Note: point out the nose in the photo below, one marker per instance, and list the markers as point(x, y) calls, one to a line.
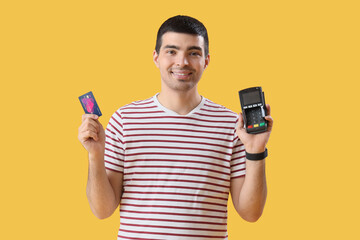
point(181, 60)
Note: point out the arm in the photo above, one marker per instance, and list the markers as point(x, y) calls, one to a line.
point(249, 193)
point(104, 187)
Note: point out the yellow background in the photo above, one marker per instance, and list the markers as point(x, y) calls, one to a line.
point(305, 55)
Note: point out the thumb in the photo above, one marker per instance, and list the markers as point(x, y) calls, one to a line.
point(240, 124)
point(101, 129)
point(241, 121)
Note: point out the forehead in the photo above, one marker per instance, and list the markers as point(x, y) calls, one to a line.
point(182, 40)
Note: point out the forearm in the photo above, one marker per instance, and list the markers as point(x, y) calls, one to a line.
point(250, 192)
point(99, 191)
point(252, 196)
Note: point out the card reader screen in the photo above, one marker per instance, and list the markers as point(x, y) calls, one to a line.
point(251, 97)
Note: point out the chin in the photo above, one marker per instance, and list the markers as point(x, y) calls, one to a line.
point(185, 87)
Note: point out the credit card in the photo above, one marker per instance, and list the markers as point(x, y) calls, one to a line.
point(89, 104)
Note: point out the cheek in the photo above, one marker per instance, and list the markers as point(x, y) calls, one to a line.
point(199, 68)
point(198, 64)
point(165, 64)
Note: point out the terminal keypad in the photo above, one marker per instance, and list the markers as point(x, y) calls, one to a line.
point(254, 117)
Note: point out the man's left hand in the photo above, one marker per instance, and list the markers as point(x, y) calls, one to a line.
point(254, 143)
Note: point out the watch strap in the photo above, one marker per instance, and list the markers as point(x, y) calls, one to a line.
point(256, 156)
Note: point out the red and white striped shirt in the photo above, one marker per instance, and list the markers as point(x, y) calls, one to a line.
point(177, 169)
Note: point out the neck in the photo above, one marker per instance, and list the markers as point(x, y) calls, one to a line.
point(179, 102)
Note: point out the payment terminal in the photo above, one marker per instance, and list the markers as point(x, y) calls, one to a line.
point(253, 109)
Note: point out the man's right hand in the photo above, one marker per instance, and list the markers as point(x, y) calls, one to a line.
point(104, 187)
point(92, 135)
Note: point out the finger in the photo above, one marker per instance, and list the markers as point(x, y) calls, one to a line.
point(89, 122)
point(100, 128)
point(92, 116)
point(270, 122)
point(99, 123)
point(87, 134)
point(268, 109)
point(241, 121)
point(90, 127)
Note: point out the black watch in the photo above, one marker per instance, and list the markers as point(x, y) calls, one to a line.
point(256, 156)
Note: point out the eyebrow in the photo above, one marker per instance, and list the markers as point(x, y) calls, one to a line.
point(172, 46)
point(189, 48)
point(195, 48)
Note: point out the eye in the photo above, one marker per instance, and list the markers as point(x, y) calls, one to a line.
point(171, 52)
point(195, 54)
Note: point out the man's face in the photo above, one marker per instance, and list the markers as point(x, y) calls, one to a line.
point(181, 60)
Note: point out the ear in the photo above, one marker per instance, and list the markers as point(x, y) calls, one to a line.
point(207, 61)
point(155, 58)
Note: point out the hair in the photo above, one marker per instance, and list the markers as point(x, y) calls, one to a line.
point(183, 24)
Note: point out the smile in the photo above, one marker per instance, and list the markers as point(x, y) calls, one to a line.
point(181, 75)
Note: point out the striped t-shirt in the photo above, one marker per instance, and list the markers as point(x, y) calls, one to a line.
point(176, 169)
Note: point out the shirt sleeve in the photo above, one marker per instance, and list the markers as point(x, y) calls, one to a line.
point(237, 164)
point(114, 145)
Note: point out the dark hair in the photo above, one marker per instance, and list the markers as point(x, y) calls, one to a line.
point(183, 24)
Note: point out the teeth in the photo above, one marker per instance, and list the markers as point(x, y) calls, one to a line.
point(182, 74)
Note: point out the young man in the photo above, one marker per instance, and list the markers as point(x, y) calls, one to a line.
point(170, 161)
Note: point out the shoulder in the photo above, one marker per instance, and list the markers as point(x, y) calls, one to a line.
point(215, 108)
point(131, 110)
point(136, 106)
